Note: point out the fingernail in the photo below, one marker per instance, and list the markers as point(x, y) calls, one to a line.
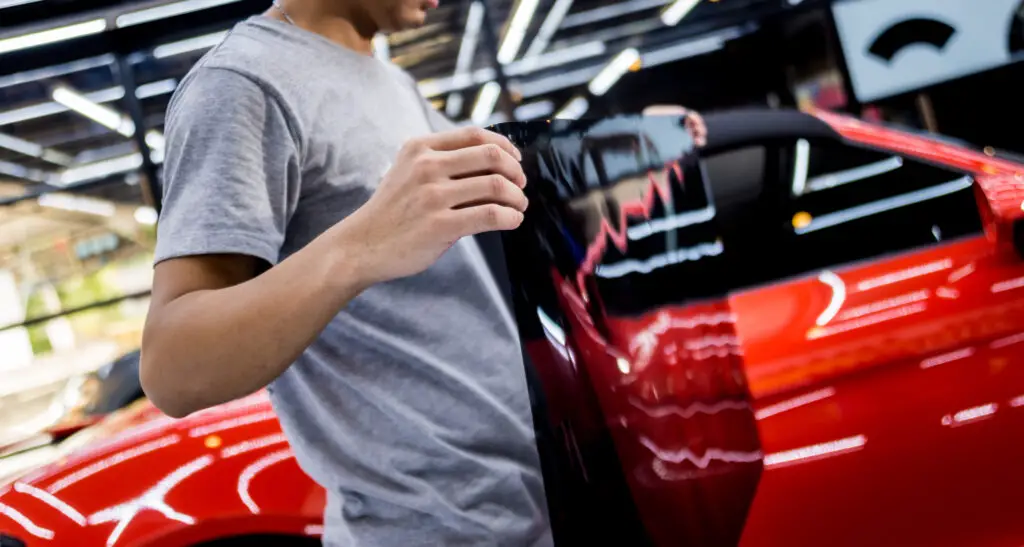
point(519, 153)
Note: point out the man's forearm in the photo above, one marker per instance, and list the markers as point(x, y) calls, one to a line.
point(212, 346)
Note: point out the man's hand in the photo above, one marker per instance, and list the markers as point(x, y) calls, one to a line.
point(694, 121)
point(442, 187)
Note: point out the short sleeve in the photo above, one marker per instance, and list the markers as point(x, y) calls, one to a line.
point(231, 170)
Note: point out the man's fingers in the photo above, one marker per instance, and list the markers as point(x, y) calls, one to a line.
point(468, 137)
point(475, 191)
point(489, 217)
point(483, 159)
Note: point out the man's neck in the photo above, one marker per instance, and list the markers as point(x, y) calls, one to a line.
point(340, 24)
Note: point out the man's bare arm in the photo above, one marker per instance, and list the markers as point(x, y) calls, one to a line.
point(216, 331)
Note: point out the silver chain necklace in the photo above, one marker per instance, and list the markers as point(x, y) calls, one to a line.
point(277, 6)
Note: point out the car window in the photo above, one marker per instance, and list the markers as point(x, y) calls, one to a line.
point(836, 204)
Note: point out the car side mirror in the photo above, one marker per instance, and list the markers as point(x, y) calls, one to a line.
point(1001, 198)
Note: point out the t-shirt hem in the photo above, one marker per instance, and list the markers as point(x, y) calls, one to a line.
point(218, 243)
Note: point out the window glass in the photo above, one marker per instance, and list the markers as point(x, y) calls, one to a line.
point(779, 210)
point(849, 203)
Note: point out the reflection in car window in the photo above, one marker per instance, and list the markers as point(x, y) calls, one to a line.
point(786, 209)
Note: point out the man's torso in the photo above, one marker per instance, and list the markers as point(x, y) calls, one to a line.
point(411, 408)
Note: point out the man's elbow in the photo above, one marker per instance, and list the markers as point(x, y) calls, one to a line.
point(171, 399)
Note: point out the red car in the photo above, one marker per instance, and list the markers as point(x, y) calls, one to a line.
point(808, 332)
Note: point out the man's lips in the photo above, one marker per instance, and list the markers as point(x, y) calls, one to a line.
point(432, 4)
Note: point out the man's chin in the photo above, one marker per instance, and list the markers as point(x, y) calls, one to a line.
point(412, 19)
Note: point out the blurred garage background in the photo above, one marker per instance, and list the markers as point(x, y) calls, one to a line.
point(84, 85)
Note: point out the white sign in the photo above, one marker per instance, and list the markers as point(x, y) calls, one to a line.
point(896, 46)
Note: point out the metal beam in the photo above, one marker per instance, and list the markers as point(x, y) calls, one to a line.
point(151, 186)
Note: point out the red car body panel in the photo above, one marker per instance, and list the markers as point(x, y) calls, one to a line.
point(889, 398)
point(156, 481)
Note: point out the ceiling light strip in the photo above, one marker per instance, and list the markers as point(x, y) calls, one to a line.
point(516, 32)
point(167, 10)
point(613, 71)
point(32, 149)
point(54, 71)
point(677, 11)
point(485, 102)
point(574, 109)
point(95, 111)
point(99, 170)
point(548, 28)
point(467, 53)
point(13, 3)
point(53, 35)
point(610, 12)
point(110, 94)
point(199, 43)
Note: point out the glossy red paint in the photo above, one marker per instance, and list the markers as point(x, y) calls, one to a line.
point(888, 399)
point(656, 376)
point(893, 417)
point(155, 481)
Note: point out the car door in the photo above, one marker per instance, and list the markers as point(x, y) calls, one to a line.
point(882, 335)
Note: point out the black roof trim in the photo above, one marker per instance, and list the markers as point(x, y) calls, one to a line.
point(731, 128)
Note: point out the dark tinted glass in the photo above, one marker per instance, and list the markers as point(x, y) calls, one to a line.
point(617, 283)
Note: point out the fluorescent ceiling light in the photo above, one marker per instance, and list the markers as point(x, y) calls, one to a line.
point(146, 215)
point(440, 86)
point(485, 102)
point(563, 80)
point(159, 87)
point(155, 139)
point(21, 146)
point(100, 169)
point(614, 70)
point(574, 109)
point(53, 35)
point(53, 71)
point(532, 111)
point(548, 28)
point(167, 10)
point(558, 57)
point(96, 112)
point(32, 149)
point(679, 9)
point(198, 43)
point(12, 169)
point(470, 38)
point(78, 204)
point(612, 11)
point(467, 52)
point(516, 32)
point(691, 48)
point(12, 3)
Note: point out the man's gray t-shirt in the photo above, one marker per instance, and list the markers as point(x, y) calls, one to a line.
point(411, 408)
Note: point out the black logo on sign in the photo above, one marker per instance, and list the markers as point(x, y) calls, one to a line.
point(910, 32)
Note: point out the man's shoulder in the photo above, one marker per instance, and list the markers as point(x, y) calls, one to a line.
point(260, 56)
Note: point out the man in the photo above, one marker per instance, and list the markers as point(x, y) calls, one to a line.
point(314, 240)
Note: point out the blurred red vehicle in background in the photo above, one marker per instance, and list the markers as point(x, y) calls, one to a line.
point(874, 396)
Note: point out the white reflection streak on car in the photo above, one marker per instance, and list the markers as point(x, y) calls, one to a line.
point(25, 522)
point(664, 410)
point(250, 472)
point(113, 460)
point(710, 455)
point(252, 444)
point(816, 451)
point(52, 501)
point(795, 402)
point(232, 423)
point(154, 499)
